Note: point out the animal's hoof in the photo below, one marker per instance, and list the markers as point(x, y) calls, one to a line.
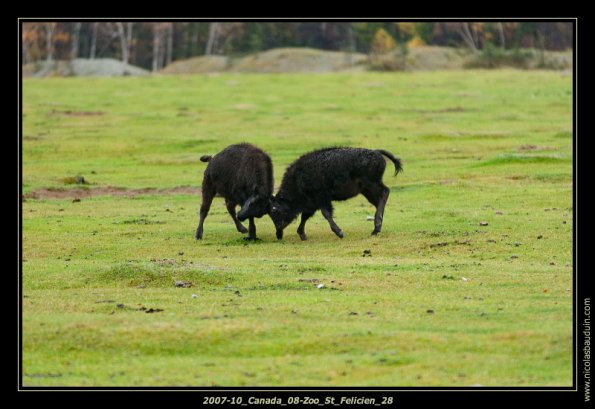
point(242, 229)
point(303, 236)
point(197, 237)
point(375, 232)
point(340, 234)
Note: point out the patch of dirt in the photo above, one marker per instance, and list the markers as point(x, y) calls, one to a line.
point(527, 148)
point(32, 138)
point(44, 375)
point(183, 284)
point(443, 110)
point(58, 193)
point(447, 181)
point(535, 148)
point(244, 107)
point(149, 310)
point(76, 113)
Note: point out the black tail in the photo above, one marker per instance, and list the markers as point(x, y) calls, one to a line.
point(396, 161)
point(206, 158)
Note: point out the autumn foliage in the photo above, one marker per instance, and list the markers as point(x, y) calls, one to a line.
point(156, 44)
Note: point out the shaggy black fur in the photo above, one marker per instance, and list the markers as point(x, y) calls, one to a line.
point(317, 178)
point(242, 174)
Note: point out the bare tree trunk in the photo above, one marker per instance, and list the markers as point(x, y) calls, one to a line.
point(501, 32)
point(76, 30)
point(541, 39)
point(25, 53)
point(163, 48)
point(323, 27)
point(156, 46)
point(194, 40)
point(26, 57)
point(475, 37)
point(124, 40)
point(170, 43)
point(352, 44)
point(351, 39)
point(467, 36)
point(93, 40)
point(50, 29)
point(212, 40)
point(123, 45)
point(129, 40)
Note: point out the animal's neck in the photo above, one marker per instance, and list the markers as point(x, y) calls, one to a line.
point(284, 196)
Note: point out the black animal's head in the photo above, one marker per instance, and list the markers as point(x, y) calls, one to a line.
point(255, 206)
point(280, 213)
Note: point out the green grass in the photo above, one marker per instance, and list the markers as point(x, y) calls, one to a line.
point(441, 300)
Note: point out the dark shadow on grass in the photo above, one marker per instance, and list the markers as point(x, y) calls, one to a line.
point(239, 241)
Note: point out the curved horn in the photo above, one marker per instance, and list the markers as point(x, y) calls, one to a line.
point(245, 207)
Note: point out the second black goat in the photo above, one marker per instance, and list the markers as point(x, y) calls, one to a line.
point(317, 178)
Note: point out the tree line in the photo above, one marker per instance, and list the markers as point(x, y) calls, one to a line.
point(153, 45)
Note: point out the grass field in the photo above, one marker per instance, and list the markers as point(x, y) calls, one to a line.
point(437, 300)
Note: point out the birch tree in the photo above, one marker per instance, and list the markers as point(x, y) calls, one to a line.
point(93, 46)
point(76, 30)
point(124, 31)
point(501, 33)
point(30, 35)
point(214, 29)
point(467, 36)
point(170, 43)
point(159, 45)
point(50, 31)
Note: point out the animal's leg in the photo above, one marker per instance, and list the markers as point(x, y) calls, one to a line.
point(378, 196)
point(301, 227)
point(327, 212)
point(231, 208)
point(208, 193)
point(251, 229)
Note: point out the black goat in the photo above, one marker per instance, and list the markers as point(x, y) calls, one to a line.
point(242, 174)
point(317, 178)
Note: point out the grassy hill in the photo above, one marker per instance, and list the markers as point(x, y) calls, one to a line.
point(423, 58)
point(279, 60)
point(81, 67)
